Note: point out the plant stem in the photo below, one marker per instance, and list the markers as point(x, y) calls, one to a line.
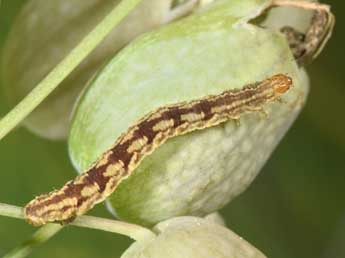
point(11, 211)
point(65, 67)
point(133, 231)
point(40, 236)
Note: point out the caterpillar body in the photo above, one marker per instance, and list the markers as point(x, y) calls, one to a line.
point(78, 196)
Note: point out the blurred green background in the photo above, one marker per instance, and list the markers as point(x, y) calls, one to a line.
point(293, 209)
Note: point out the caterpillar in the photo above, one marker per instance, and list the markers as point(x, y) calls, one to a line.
point(78, 196)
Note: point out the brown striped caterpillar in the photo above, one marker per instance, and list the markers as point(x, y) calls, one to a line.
point(117, 164)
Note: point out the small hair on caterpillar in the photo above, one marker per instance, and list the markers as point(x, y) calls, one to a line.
point(78, 196)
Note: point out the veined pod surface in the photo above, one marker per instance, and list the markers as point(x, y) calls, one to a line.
point(193, 238)
point(204, 54)
point(46, 31)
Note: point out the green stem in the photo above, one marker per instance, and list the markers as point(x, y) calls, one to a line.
point(65, 67)
point(11, 211)
point(133, 231)
point(40, 236)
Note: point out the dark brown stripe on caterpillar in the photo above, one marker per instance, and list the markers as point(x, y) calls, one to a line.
point(115, 165)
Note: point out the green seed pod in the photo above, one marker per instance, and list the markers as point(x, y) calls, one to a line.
point(46, 31)
point(204, 54)
point(193, 238)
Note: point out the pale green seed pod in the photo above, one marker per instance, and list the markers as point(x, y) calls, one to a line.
point(193, 238)
point(46, 31)
point(206, 53)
